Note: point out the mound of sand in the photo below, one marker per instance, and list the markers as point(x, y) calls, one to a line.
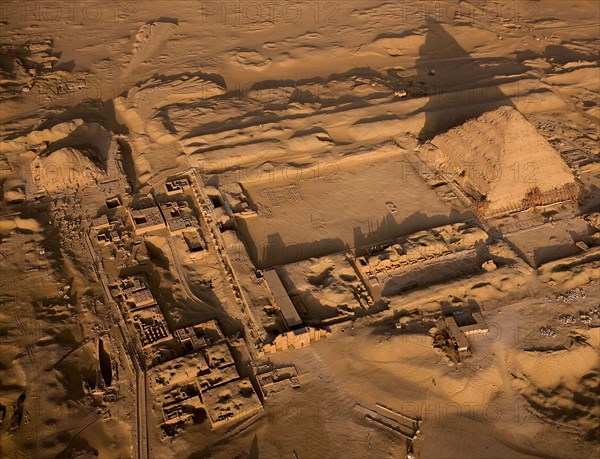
point(21, 64)
point(66, 168)
point(250, 59)
point(28, 225)
point(37, 137)
point(502, 161)
point(149, 41)
point(140, 110)
point(314, 141)
point(225, 158)
point(152, 110)
point(59, 157)
point(400, 46)
point(322, 286)
point(562, 386)
point(149, 33)
point(92, 138)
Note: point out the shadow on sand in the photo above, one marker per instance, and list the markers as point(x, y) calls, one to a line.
point(460, 87)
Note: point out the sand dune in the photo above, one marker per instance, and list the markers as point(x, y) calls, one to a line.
point(165, 164)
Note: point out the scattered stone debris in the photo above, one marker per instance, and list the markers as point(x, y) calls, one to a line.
point(567, 319)
point(585, 318)
point(595, 314)
point(547, 332)
point(571, 295)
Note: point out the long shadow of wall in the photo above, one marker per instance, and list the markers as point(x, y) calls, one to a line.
point(389, 228)
point(277, 252)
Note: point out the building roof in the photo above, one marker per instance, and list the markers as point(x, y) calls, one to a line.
point(147, 219)
point(456, 334)
point(282, 299)
point(100, 222)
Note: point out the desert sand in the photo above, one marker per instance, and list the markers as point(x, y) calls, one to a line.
point(300, 229)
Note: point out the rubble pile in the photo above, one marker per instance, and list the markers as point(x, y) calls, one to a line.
point(547, 332)
point(571, 295)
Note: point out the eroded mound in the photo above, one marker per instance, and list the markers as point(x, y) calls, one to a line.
point(65, 168)
point(561, 386)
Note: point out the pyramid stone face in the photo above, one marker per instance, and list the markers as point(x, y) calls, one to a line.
point(501, 160)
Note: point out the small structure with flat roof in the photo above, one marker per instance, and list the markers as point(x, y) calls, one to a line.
point(276, 380)
point(182, 410)
point(217, 377)
point(100, 222)
point(456, 335)
point(199, 336)
point(194, 242)
point(189, 338)
point(218, 355)
point(282, 300)
point(176, 186)
point(145, 220)
point(461, 323)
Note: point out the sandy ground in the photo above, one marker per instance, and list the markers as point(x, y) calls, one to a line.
point(322, 112)
point(484, 396)
point(282, 233)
